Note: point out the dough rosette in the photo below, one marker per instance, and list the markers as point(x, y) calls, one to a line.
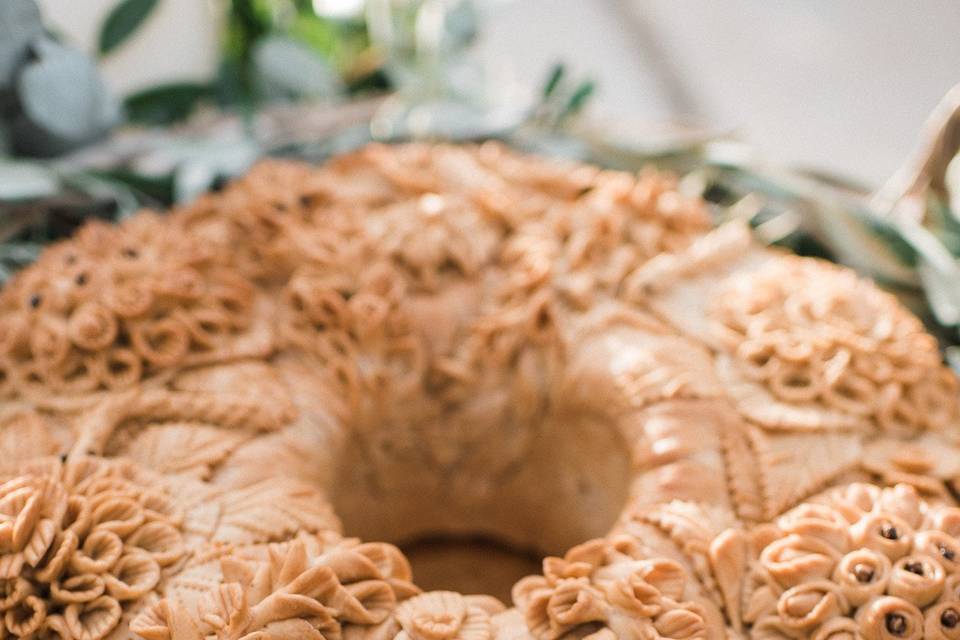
point(795, 559)
point(890, 618)
point(862, 574)
point(942, 622)
point(918, 579)
point(806, 606)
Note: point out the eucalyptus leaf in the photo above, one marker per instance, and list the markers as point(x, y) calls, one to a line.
point(461, 25)
point(63, 99)
point(166, 103)
point(20, 22)
point(21, 180)
point(287, 69)
point(125, 18)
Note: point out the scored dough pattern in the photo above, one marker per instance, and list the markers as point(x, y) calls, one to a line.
point(179, 389)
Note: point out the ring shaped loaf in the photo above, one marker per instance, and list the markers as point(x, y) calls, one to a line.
point(705, 437)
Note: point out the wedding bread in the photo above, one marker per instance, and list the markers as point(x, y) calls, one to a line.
point(225, 421)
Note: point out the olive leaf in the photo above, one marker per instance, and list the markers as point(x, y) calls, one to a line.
point(125, 18)
point(578, 99)
point(63, 100)
point(560, 100)
point(165, 104)
point(553, 79)
point(20, 23)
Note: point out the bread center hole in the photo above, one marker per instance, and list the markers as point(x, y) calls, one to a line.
point(476, 508)
point(469, 565)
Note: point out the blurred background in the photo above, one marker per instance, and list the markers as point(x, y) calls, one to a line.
point(809, 119)
point(839, 85)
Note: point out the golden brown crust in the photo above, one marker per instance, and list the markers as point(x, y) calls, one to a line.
point(800, 333)
point(531, 331)
point(87, 541)
point(860, 560)
point(115, 305)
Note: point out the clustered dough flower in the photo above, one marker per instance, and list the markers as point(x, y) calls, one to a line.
point(862, 562)
point(592, 239)
point(607, 589)
point(308, 588)
point(355, 324)
point(815, 334)
point(80, 542)
point(114, 304)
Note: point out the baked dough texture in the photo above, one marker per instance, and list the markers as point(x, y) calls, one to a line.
point(705, 437)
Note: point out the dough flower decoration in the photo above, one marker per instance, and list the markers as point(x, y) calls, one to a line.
point(81, 543)
point(308, 588)
point(623, 220)
point(446, 615)
point(116, 304)
point(608, 589)
point(860, 562)
point(805, 334)
point(356, 325)
point(527, 327)
point(591, 241)
point(930, 463)
point(254, 219)
point(435, 237)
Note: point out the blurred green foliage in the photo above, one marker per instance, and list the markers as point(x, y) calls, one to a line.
point(273, 50)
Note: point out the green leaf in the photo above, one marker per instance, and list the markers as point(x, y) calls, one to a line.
point(122, 21)
point(321, 35)
point(165, 104)
point(157, 188)
point(900, 248)
point(228, 88)
point(578, 99)
point(553, 80)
